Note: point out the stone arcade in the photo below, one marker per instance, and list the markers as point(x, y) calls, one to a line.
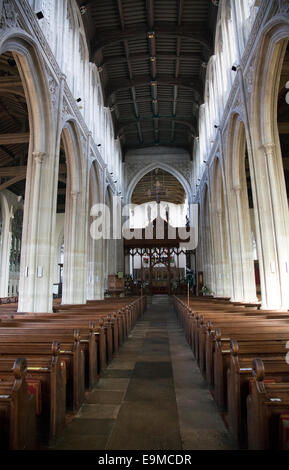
point(116, 114)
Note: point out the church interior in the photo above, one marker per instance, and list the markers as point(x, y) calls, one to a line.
point(144, 229)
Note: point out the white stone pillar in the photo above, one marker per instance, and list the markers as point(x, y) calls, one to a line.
point(235, 245)
point(273, 246)
point(245, 246)
point(99, 270)
point(219, 255)
point(75, 261)
point(36, 275)
point(5, 250)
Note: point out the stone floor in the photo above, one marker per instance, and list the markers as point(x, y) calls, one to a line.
point(151, 397)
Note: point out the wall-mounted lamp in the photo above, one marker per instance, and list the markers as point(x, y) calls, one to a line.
point(215, 126)
point(98, 145)
point(39, 15)
point(151, 34)
point(234, 67)
point(78, 100)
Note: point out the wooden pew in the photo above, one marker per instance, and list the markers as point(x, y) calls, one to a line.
point(222, 354)
point(124, 315)
point(265, 404)
point(90, 336)
point(239, 375)
point(17, 410)
point(46, 375)
point(225, 323)
point(71, 352)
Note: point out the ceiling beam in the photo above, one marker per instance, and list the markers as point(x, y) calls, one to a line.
point(17, 138)
point(160, 100)
point(8, 152)
point(106, 37)
point(10, 80)
point(114, 86)
point(162, 129)
point(12, 181)
point(124, 124)
point(177, 69)
point(11, 84)
point(159, 144)
point(17, 170)
point(130, 72)
point(12, 171)
point(140, 57)
point(150, 13)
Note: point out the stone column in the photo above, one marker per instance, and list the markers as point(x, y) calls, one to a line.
point(274, 229)
point(96, 271)
point(74, 274)
point(235, 242)
point(245, 247)
point(213, 257)
point(36, 275)
point(219, 256)
point(5, 251)
point(99, 271)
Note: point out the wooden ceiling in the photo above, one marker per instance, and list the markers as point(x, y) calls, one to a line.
point(170, 190)
point(14, 127)
point(152, 56)
point(14, 133)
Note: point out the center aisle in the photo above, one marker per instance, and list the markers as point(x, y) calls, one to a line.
point(151, 397)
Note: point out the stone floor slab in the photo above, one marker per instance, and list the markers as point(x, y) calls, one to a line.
point(98, 411)
point(105, 396)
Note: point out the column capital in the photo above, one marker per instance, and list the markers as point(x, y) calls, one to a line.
point(269, 148)
point(39, 157)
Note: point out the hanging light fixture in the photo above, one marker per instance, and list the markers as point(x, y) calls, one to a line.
point(157, 188)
